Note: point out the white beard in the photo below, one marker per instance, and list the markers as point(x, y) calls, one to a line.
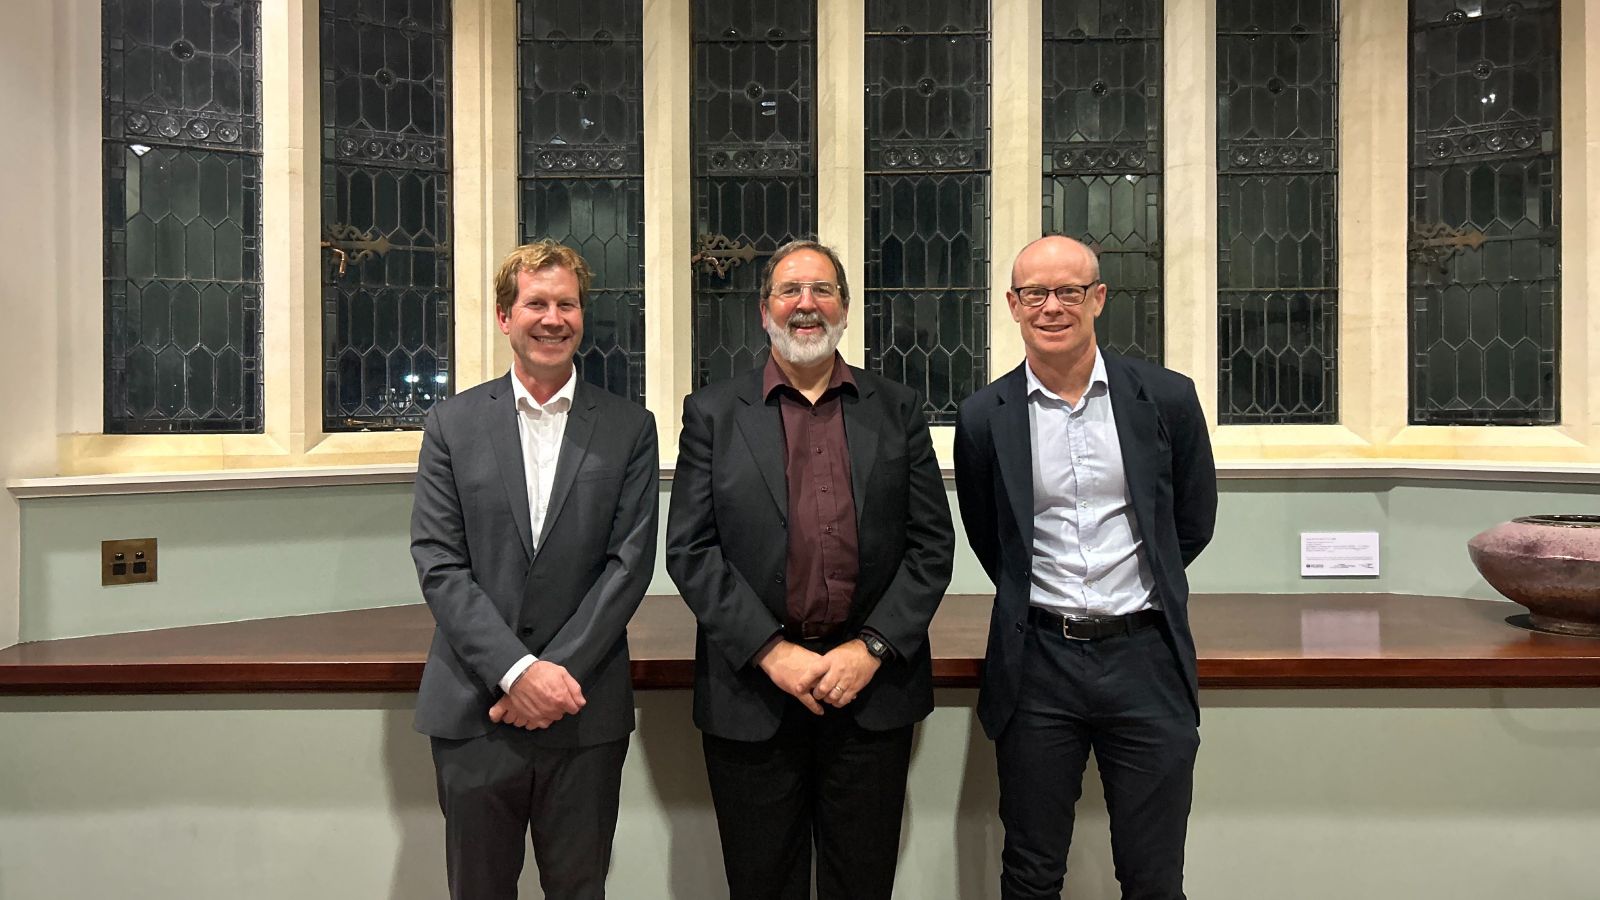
point(804, 351)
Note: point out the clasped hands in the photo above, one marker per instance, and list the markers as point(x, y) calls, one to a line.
point(542, 694)
point(834, 678)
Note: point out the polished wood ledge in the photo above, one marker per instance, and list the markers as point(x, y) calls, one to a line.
point(1245, 641)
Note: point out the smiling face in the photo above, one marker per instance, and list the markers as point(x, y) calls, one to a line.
point(1055, 332)
point(804, 329)
point(544, 323)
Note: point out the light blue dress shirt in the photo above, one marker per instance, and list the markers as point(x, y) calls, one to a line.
point(1087, 555)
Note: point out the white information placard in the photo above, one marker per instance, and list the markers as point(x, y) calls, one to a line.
point(1338, 554)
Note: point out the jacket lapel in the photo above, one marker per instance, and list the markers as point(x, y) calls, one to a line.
point(762, 426)
point(861, 437)
point(574, 447)
point(1138, 431)
point(1013, 450)
point(507, 444)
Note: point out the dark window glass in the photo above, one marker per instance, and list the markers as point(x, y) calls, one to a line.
point(387, 299)
point(927, 274)
point(1102, 155)
point(182, 167)
point(754, 126)
point(1277, 334)
point(581, 164)
point(1485, 242)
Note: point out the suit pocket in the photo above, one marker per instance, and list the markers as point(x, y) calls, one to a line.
point(611, 473)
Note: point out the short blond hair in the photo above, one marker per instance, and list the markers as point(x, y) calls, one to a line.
point(532, 257)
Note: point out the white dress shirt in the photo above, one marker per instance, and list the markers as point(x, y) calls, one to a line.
point(1087, 555)
point(540, 427)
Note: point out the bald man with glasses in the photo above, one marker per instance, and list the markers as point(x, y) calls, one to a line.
point(1086, 485)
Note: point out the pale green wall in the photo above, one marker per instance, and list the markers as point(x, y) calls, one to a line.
point(1311, 795)
point(234, 555)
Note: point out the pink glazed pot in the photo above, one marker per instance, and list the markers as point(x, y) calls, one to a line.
point(1550, 564)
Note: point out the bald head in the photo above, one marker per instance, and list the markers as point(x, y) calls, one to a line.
point(1052, 252)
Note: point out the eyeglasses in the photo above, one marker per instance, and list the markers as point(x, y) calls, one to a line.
point(1068, 294)
point(791, 290)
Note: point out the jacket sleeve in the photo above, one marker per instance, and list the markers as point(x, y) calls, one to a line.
point(466, 615)
point(729, 611)
point(902, 614)
point(974, 491)
point(1194, 477)
point(602, 615)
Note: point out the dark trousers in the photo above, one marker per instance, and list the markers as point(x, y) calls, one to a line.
point(1123, 698)
point(820, 779)
point(495, 788)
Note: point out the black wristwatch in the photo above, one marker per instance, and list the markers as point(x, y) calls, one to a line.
point(877, 646)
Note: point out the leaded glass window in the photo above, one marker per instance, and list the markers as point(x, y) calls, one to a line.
point(1484, 268)
point(182, 179)
point(387, 290)
point(755, 177)
point(580, 75)
point(927, 174)
point(1102, 155)
point(1278, 324)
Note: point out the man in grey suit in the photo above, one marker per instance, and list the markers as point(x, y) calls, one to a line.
point(534, 535)
point(811, 536)
point(1086, 485)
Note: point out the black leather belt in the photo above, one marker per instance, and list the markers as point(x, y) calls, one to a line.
point(812, 631)
point(1093, 628)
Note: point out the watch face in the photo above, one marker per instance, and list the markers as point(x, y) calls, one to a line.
point(875, 645)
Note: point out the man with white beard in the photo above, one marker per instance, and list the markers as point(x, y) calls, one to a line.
point(810, 534)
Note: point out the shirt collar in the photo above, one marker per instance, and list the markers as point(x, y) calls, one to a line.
point(773, 377)
point(1098, 383)
point(561, 402)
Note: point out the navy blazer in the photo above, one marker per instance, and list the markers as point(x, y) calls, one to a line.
point(1166, 456)
point(727, 548)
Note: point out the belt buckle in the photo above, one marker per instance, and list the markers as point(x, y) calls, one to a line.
point(1066, 627)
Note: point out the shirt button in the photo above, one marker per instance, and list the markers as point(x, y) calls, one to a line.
point(823, 489)
point(828, 529)
point(819, 451)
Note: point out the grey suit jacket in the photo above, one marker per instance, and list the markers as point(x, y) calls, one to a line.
point(494, 598)
point(1166, 456)
point(727, 548)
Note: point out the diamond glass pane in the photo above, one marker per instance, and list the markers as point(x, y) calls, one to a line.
point(1102, 155)
point(927, 148)
point(182, 179)
point(581, 161)
point(387, 294)
point(1485, 243)
point(754, 165)
point(1277, 95)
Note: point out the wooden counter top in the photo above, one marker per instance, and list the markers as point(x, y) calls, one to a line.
point(1244, 640)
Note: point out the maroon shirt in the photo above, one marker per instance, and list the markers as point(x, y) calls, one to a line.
point(823, 547)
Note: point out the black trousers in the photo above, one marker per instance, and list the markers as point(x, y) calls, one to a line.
point(820, 780)
point(495, 788)
point(1123, 698)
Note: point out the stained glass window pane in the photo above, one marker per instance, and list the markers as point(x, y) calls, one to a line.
point(580, 76)
point(1277, 335)
point(1485, 243)
point(387, 294)
point(927, 274)
point(182, 179)
point(755, 177)
point(1102, 155)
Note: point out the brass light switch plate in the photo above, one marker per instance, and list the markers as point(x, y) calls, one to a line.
point(128, 562)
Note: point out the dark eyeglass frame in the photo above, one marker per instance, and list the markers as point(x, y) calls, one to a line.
point(820, 290)
point(1081, 289)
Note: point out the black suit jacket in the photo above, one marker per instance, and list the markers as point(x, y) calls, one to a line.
point(727, 548)
point(493, 597)
point(1166, 455)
